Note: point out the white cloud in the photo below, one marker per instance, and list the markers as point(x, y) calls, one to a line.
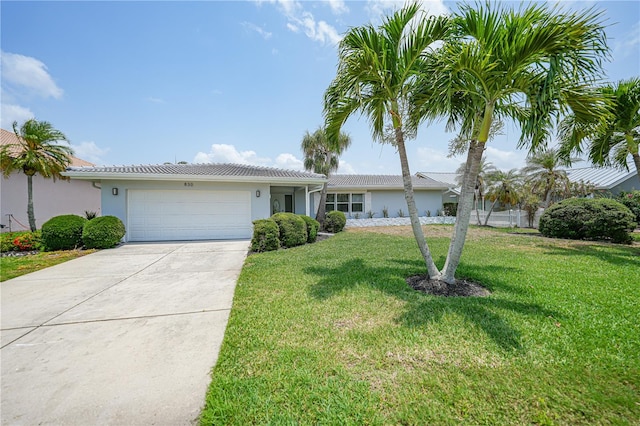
point(11, 113)
point(258, 29)
point(223, 153)
point(345, 168)
point(298, 17)
point(30, 73)
point(377, 8)
point(630, 44)
point(91, 152)
point(338, 7)
point(155, 100)
point(289, 161)
point(432, 160)
point(506, 160)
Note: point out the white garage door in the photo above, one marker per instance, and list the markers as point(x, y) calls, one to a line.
point(188, 215)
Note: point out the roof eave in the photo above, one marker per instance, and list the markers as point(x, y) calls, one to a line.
point(382, 188)
point(193, 178)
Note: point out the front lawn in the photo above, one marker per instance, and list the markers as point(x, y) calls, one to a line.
point(330, 333)
point(11, 267)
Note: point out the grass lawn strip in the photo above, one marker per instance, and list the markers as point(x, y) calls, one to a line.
point(11, 267)
point(331, 333)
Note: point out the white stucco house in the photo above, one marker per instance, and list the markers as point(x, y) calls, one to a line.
point(360, 195)
point(50, 198)
point(175, 202)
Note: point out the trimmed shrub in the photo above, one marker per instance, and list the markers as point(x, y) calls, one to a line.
point(632, 201)
point(103, 232)
point(265, 235)
point(588, 219)
point(293, 229)
point(63, 232)
point(312, 228)
point(20, 241)
point(335, 221)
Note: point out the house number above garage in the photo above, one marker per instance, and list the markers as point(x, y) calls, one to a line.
point(188, 184)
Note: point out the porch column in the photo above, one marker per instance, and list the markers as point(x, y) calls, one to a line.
point(306, 200)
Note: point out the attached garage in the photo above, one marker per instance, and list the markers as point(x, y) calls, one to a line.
point(169, 215)
point(182, 202)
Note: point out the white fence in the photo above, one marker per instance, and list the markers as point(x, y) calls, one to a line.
point(503, 219)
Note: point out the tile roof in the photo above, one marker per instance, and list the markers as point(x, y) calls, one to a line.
point(195, 170)
point(381, 182)
point(602, 177)
point(10, 138)
point(448, 178)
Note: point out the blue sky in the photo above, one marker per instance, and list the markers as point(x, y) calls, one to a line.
point(219, 81)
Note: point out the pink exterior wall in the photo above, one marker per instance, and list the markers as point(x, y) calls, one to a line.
point(49, 199)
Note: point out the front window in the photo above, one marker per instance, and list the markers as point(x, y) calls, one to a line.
point(347, 203)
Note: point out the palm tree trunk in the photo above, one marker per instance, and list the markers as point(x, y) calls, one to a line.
point(320, 215)
point(636, 160)
point(432, 270)
point(475, 201)
point(486, 219)
point(465, 204)
point(30, 214)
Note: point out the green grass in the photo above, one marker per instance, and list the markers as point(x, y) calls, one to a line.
point(11, 267)
point(330, 333)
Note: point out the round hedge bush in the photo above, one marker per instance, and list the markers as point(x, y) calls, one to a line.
point(312, 228)
point(103, 232)
point(293, 229)
point(632, 201)
point(588, 219)
point(335, 221)
point(265, 235)
point(63, 232)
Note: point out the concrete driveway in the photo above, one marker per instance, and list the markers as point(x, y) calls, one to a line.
point(122, 336)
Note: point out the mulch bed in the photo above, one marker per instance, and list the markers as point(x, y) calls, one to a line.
point(461, 288)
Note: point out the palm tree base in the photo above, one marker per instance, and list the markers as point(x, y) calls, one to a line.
point(460, 288)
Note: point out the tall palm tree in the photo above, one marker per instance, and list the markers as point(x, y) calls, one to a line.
point(529, 65)
point(481, 180)
point(323, 157)
point(36, 152)
point(547, 178)
point(616, 135)
point(502, 187)
point(376, 74)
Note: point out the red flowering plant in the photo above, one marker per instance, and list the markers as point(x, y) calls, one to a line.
point(27, 242)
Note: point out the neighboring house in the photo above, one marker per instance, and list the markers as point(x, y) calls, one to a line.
point(50, 198)
point(361, 195)
point(197, 201)
point(607, 179)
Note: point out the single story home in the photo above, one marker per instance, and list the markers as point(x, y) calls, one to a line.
point(173, 202)
point(607, 179)
point(450, 179)
point(362, 196)
point(50, 198)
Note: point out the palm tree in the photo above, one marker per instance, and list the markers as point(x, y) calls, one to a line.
point(502, 187)
point(547, 178)
point(529, 65)
point(377, 69)
point(323, 157)
point(617, 135)
point(37, 152)
point(479, 191)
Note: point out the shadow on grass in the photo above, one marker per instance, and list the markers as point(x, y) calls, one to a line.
point(485, 312)
point(611, 253)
